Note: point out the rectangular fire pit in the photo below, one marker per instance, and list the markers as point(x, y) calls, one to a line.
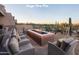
point(39, 37)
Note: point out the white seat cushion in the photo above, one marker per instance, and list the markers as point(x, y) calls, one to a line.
point(14, 45)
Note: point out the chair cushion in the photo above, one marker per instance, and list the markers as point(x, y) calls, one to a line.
point(64, 45)
point(26, 47)
point(74, 48)
point(77, 48)
point(58, 43)
point(14, 45)
point(16, 34)
point(23, 42)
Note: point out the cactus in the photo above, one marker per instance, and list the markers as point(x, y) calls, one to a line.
point(70, 26)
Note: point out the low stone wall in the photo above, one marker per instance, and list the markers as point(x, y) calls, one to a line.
point(41, 39)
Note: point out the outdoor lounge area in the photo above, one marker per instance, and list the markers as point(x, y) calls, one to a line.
point(35, 39)
point(14, 43)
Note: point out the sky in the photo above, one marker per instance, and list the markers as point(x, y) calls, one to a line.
point(44, 14)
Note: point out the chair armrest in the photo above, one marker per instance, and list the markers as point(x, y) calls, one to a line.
point(54, 50)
